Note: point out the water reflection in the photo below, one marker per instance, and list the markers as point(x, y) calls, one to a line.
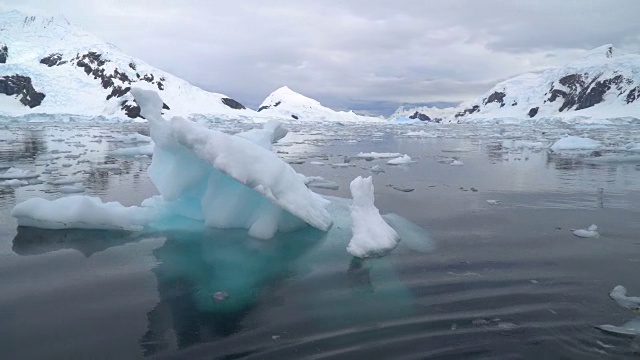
point(208, 282)
point(34, 241)
point(23, 145)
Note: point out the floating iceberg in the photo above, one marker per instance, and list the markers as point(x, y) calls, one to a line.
point(575, 143)
point(630, 328)
point(590, 232)
point(80, 212)
point(372, 236)
point(404, 159)
point(219, 180)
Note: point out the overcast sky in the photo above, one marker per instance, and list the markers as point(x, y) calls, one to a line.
point(368, 55)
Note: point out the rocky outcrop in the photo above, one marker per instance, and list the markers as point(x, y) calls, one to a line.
point(420, 116)
point(580, 92)
point(132, 109)
point(4, 53)
point(21, 86)
point(495, 97)
point(265, 107)
point(467, 111)
point(51, 60)
point(233, 104)
point(533, 112)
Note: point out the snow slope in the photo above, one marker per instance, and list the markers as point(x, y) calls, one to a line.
point(286, 103)
point(601, 84)
point(81, 74)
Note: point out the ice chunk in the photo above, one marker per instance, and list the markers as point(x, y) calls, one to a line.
point(16, 173)
point(619, 294)
point(80, 212)
point(493, 202)
point(376, 155)
point(372, 236)
point(456, 163)
point(224, 180)
point(321, 183)
point(13, 182)
point(376, 169)
point(575, 143)
point(590, 232)
point(404, 159)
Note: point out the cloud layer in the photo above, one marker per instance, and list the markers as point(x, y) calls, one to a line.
point(371, 55)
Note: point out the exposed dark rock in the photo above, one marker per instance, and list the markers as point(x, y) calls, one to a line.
point(132, 65)
point(269, 106)
point(497, 97)
point(514, 103)
point(471, 110)
point(130, 108)
point(533, 112)
point(160, 85)
point(118, 91)
point(22, 86)
point(4, 54)
point(295, 116)
point(52, 60)
point(582, 93)
point(148, 78)
point(595, 94)
point(420, 116)
point(233, 104)
point(633, 95)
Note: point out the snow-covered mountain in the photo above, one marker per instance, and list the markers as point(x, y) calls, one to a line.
point(422, 113)
point(286, 103)
point(602, 84)
point(49, 66)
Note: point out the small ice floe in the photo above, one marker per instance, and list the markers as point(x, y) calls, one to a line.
point(575, 143)
point(590, 232)
point(456, 163)
point(13, 183)
point(404, 159)
point(16, 173)
point(493, 202)
point(376, 169)
point(342, 165)
point(320, 163)
point(65, 181)
point(619, 294)
point(630, 328)
point(400, 188)
point(107, 167)
point(376, 155)
point(146, 150)
point(372, 236)
point(320, 182)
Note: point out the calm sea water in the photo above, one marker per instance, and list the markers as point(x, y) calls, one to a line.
point(506, 281)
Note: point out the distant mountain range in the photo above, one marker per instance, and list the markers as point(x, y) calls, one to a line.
point(48, 66)
point(602, 84)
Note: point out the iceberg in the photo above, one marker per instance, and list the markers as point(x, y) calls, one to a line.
point(575, 143)
point(215, 179)
point(80, 212)
point(372, 236)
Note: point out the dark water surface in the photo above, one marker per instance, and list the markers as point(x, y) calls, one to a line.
point(506, 281)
